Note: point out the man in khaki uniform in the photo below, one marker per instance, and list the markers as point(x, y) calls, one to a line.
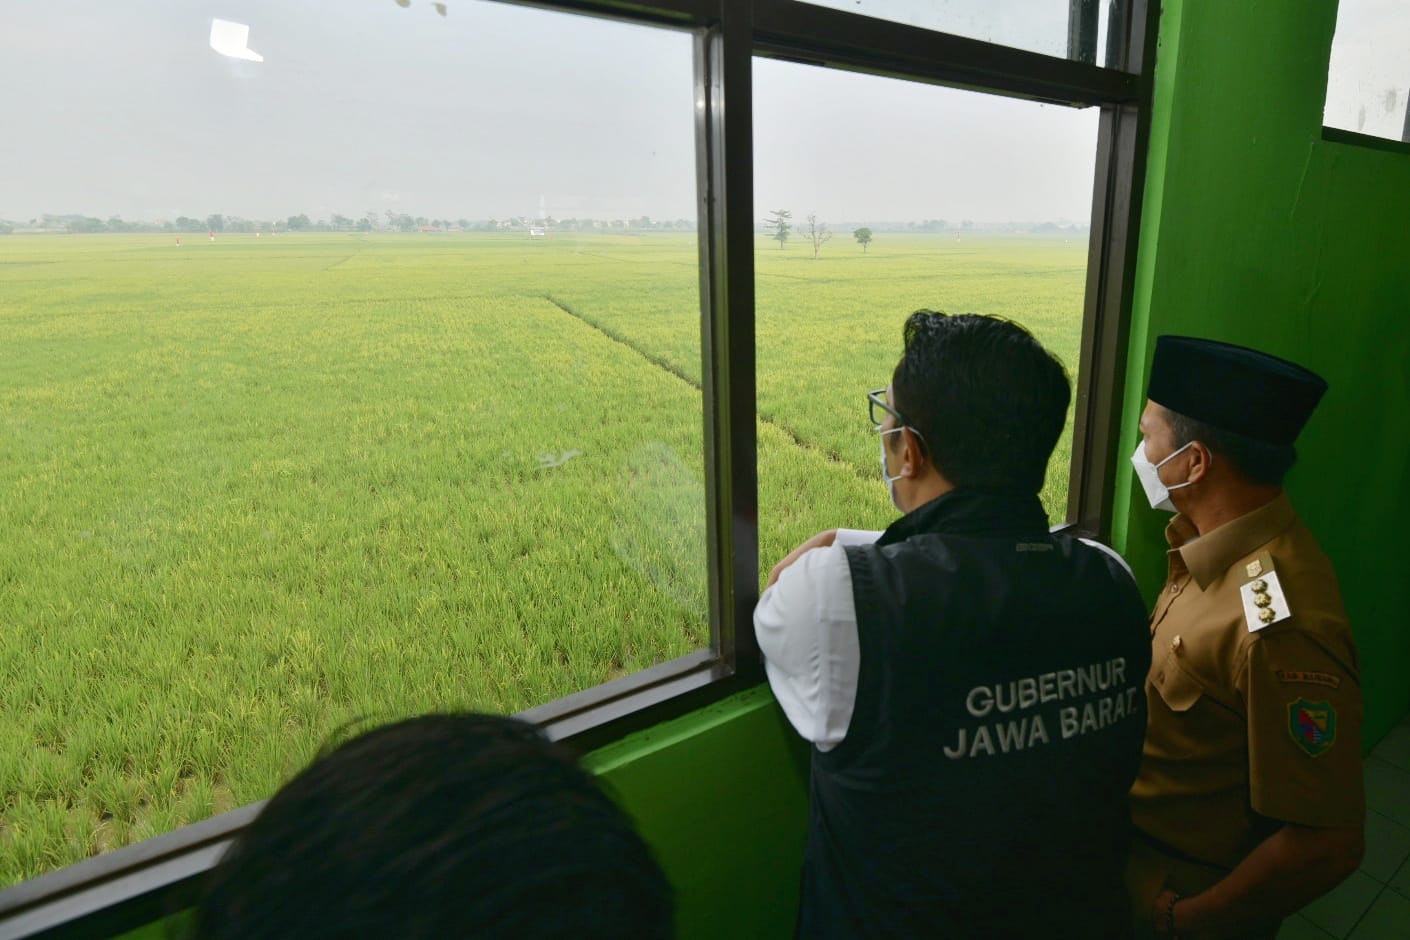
point(1249, 803)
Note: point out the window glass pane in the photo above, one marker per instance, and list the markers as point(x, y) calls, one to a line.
point(1368, 82)
point(924, 197)
point(351, 369)
point(1035, 25)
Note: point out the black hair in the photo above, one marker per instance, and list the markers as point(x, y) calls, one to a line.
point(985, 395)
point(1256, 461)
point(439, 826)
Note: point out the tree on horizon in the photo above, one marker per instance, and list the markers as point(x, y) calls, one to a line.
point(779, 222)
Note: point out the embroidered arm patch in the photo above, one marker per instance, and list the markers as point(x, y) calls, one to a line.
point(1313, 725)
point(1315, 678)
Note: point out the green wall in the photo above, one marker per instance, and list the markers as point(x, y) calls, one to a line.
point(1257, 231)
point(721, 795)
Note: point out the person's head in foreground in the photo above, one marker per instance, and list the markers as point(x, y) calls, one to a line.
point(975, 401)
point(441, 826)
point(1220, 421)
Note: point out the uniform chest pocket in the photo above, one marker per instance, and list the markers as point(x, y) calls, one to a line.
point(1178, 688)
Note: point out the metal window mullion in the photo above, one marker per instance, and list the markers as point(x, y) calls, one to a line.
point(824, 36)
point(1083, 24)
point(1116, 212)
point(659, 12)
point(724, 140)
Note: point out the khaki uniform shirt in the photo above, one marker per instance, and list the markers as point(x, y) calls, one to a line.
point(1255, 717)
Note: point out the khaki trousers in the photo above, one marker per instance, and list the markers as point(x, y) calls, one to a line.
point(1149, 871)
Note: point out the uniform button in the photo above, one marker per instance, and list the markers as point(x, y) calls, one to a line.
point(1174, 589)
point(1160, 678)
point(1176, 643)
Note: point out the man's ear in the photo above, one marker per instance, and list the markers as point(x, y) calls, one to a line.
point(912, 456)
point(1201, 459)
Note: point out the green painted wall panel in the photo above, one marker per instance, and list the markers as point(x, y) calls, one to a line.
point(1262, 233)
point(721, 795)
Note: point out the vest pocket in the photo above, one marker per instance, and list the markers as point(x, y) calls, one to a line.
point(1178, 688)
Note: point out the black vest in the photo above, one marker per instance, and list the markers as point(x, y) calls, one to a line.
point(981, 788)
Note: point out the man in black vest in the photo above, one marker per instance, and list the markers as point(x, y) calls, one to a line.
point(971, 683)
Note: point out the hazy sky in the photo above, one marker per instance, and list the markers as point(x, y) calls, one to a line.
point(123, 108)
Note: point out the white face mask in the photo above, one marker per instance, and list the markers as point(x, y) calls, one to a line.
point(1157, 493)
point(890, 481)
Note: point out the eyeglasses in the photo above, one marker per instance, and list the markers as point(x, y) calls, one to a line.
point(880, 409)
point(876, 400)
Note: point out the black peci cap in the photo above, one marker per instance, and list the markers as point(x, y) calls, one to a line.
point(1234, 388)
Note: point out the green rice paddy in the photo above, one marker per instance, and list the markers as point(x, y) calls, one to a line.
point(255, 489)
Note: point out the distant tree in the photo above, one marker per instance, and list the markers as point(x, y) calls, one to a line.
point(298, 223)
point(817, 233)
point(779, 222)
point(215, 222)
point(342, 223)
point(863, 236)
point(364, 224)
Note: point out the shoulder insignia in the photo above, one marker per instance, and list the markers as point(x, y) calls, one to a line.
point(1313, 725)
point(1264, 603)
point(1258, 566)
point(1314, 678)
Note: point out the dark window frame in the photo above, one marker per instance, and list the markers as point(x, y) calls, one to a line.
point(135, 885)
point(1337, 135)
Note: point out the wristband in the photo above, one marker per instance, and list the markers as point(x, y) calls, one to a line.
point(1170, 915)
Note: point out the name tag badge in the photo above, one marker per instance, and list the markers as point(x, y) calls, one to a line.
point(1264, 603)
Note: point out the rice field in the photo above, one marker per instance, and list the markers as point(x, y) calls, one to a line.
point(255, 489)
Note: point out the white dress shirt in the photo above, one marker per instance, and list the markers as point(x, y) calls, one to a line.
point(806, 624)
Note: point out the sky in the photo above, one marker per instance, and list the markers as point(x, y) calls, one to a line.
point(487, 111)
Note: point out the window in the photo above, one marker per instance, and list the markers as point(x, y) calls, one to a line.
point(366, 358)
point(353, 371)
point(1072, 29)
point(902, 196)
point(1368, 82)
